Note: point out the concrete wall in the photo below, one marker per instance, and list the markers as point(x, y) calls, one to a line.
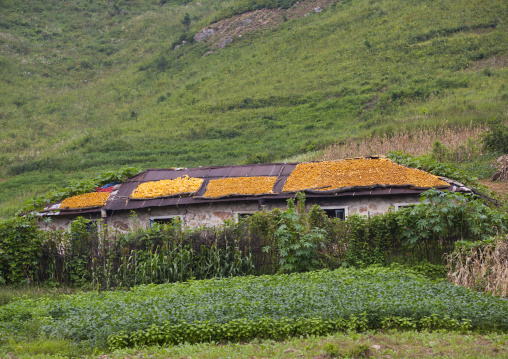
point(366, 205)
point(215, 213)
point(63, 222)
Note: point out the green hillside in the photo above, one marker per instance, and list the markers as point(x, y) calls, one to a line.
point(92, 85)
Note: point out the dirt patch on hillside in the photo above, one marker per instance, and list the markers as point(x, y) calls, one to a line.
point(500, 187)
point(491, 62)
point(225, 31)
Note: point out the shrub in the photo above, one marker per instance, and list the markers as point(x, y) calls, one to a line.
point(496, 139)
point(20, 249)
point(298, 242)
point(267, 242)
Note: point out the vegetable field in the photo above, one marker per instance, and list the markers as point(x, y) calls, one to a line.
point(243, 308)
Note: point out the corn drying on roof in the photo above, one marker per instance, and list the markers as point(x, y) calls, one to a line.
point(240, 186)
point(87, 200)
point(275, 180)
point(180, 185)
point(331, 175)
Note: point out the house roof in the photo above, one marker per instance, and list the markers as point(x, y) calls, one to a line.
point(351, 177)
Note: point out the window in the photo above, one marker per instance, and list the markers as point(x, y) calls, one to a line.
point(92, 226)
point(164, 220)
point(243, 215)
point(339, 213)
point(403, 205)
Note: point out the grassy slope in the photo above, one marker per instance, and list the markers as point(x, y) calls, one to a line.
point(83, 88)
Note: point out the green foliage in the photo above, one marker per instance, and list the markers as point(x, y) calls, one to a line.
point(80, 187)
point(186, 21)
point(465, 245)
point(359, 351)
point(430, 164)
point(234, 331)
point(20, 250)
point(371, 240)
point(91, 257)
point(423, 268)
point(288, 241)
point(45, 348)
point(298, 243)
point(450, 215)
point(439, 151)
point(421, 232)
point(496, 139)
point(242, 308)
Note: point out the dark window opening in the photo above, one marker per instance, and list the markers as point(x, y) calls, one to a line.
point(92, 227)
point(405, 206)
point(169, 220)
point(244, 215)
point(339, 213)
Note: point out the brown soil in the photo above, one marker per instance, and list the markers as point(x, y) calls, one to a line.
point(491, 62)
point(500, 187)
point(234, 27)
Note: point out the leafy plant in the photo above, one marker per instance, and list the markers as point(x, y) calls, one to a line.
point(449, 215)
point(297, 242)
point(496, 139)
point(311, 303)
point(20, 250)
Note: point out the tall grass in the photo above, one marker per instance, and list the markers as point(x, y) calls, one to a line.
point(482, 268)
point(417, 142)
point(102, 258)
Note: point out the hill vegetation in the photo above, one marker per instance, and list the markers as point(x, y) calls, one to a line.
point(88, 86)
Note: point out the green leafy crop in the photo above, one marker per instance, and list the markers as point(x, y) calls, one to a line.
point(267, 306)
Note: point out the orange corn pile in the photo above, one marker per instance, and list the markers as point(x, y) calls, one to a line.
point(94, 199)
point(163, 188)
point(357, 172)
point(240, 186)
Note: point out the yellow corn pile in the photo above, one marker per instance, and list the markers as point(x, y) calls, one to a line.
point(240, 186)
point(330, 175)
point(94, 199)
point(163, 188)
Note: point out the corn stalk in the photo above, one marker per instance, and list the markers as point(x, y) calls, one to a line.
point(481, 268)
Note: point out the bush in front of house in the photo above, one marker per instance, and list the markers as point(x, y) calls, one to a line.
point(20, 251)
point(267, 242)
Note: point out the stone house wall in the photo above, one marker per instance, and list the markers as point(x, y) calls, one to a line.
point(215, 213)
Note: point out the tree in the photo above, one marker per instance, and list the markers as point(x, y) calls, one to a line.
point(186, 21)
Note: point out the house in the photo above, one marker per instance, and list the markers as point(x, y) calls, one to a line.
point(206, 196)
